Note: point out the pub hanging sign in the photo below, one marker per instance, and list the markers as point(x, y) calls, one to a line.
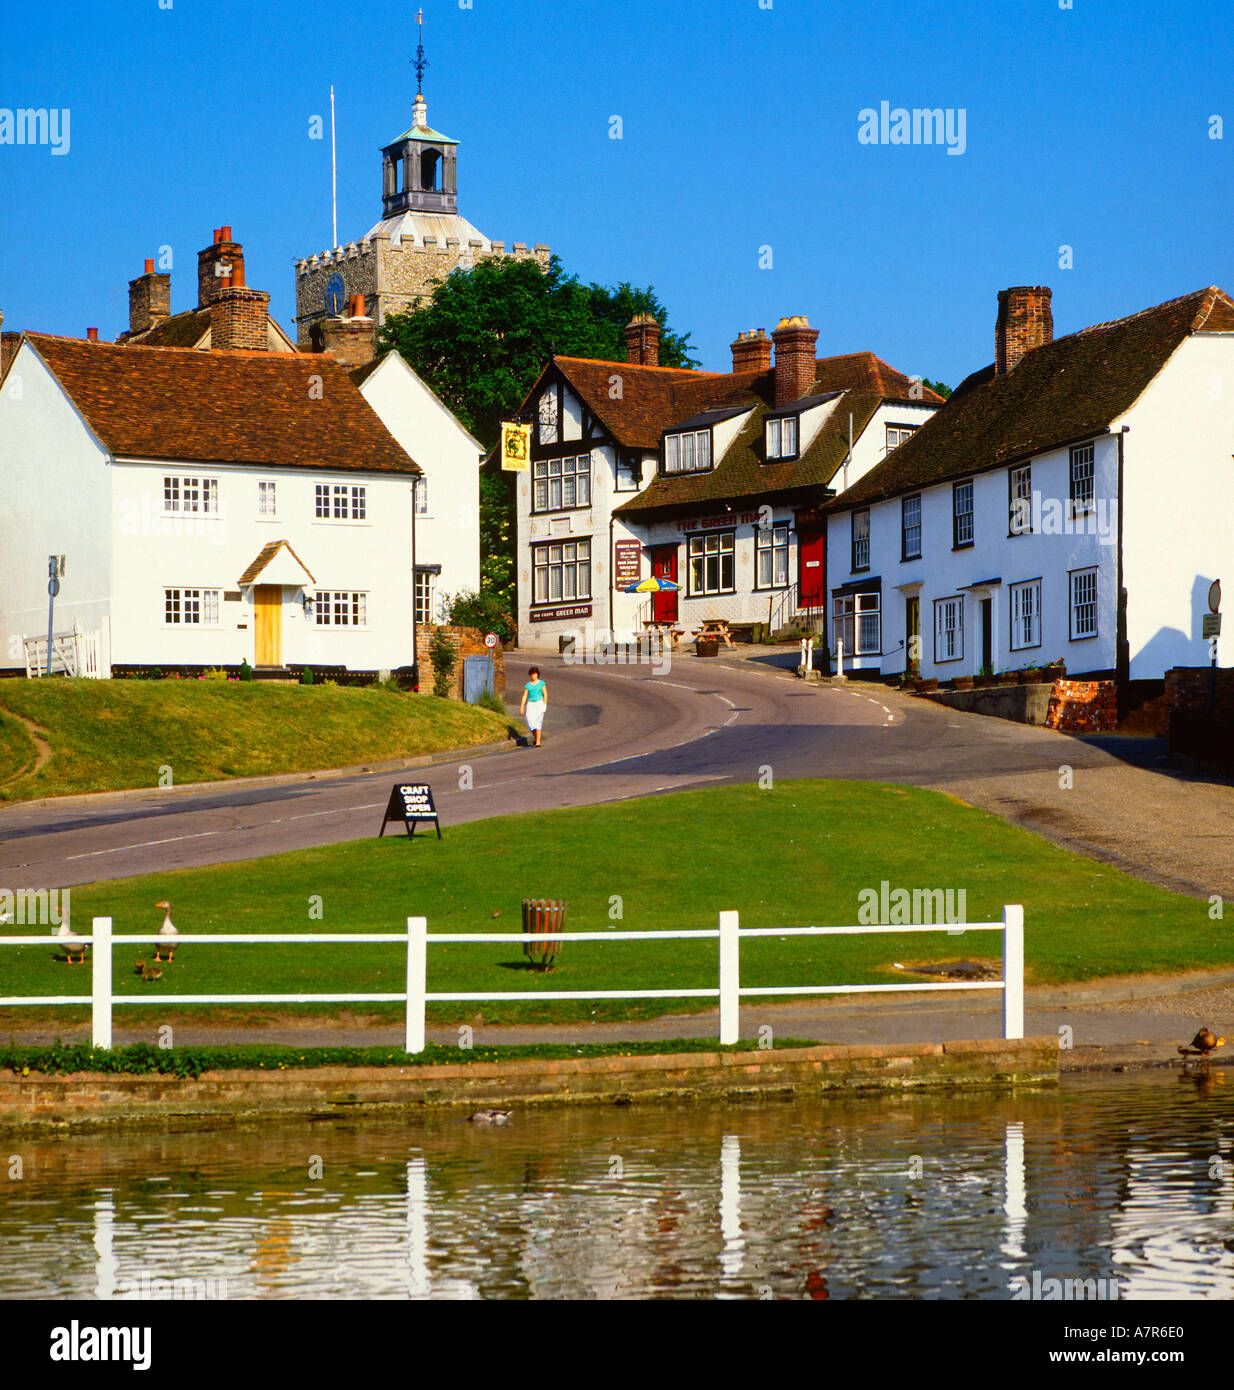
point(411, 803)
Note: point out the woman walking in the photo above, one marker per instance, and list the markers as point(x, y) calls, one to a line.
point(535, 702)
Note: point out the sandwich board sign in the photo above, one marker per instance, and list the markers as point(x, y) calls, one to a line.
point(411, 803)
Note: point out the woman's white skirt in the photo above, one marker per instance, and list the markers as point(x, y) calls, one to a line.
point(535, 714)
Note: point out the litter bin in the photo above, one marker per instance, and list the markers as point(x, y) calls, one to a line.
point(709, 646)
point(547, 919)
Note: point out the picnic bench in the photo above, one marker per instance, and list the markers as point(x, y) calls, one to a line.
point(669, 632)
point(717, 628)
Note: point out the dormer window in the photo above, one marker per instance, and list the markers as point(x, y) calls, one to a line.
point(688, 452)
point(782, 437)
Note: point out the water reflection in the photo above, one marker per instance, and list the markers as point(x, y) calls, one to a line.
point(928, 1197)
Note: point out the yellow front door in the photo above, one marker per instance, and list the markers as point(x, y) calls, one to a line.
point(268, 602)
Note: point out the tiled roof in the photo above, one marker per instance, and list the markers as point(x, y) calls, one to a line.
point(181, 330)
point(1072, 387)
point(188, 330)
point(264, 556)
point(655, 398)
point(270, 409)
point(742, 472)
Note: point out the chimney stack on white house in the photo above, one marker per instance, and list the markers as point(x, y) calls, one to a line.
point(643, 341)
point(751, 351)
point(1025, 321)
point(794, 340)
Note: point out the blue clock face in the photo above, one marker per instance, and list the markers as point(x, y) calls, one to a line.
point(336, 294)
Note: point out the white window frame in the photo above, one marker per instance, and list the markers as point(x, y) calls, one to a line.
point(771, 555)
point(190, 606)
point(556, 480)
point(561, 572)
point(1079, 581)
point(627, 475)
point(782, 437)
point(687, 451)
point(267, 501)
point(951, 647)
point(897, 434)
point(958, 540)
point(340, 502)
point(1025, 600)
point(185, 494)
point(856, 618)
point(1082, 480)
point(423, 596)
point(340, 608)
point(419, 495)
point(860, 539)
point(711, 557)
point(1020, 500)
point(907, 526)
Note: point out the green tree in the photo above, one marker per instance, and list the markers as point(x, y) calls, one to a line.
point(937, 387)
point(483, 340)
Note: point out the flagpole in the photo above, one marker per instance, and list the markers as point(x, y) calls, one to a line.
point(333, 174)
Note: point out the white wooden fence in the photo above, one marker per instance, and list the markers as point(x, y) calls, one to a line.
point(729, 990)
point(74, 653)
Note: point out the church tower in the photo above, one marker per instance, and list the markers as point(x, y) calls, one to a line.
point(420, 239)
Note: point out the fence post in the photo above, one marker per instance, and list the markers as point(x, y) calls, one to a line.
point(417, 972)
point(1013, 971)
point(730, 978)
point(100, 984)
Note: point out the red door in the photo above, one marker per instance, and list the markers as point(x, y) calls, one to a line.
point(664, 566)
point(811, 570)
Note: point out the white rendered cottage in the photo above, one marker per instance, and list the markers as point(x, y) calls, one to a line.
point(1071, 501)
point(213, 508)
point(447, 559)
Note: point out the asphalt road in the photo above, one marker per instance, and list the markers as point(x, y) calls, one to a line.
point(619, 732)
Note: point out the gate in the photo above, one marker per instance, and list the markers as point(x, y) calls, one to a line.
point(477, 677)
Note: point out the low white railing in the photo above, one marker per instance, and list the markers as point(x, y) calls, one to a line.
point(729, 990)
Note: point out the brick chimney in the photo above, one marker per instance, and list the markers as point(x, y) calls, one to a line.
point(643, 341)
point(351, 340)
point(751, 351)
point(149, 299)
point(795, 365)
point(1025, 322)
point(239, 316)
point(220, 258)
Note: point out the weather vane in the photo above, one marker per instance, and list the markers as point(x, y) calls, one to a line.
point(421, 60)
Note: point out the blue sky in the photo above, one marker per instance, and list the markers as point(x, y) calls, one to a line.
point(1087, 127)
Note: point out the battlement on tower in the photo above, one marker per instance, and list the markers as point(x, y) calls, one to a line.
point(395, 274)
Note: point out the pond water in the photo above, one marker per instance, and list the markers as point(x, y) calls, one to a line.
point(1115, 1179)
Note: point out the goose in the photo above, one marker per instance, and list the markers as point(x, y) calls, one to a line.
point(71, 943)
point(148, 972)
point(490, 1117)
point(168, 932)
point(1204, 1044)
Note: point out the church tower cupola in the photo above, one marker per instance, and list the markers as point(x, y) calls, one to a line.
point(419, 169)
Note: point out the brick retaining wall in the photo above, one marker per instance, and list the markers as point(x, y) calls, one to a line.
point(466, 641)
point(90, 1099)
point(1083, 707)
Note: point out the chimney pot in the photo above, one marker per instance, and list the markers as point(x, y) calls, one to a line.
point(149, 270)
point(225, 235)
point(222, 253)
point(1025, 321)
point(92, 335)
